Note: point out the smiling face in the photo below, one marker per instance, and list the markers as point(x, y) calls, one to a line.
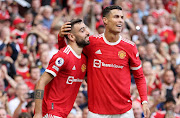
point(81, 34)
point(114, 21)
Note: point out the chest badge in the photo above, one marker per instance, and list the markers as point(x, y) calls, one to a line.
point(122, 54)
point(83, 68)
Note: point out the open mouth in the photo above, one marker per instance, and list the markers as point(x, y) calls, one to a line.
point(119, 25)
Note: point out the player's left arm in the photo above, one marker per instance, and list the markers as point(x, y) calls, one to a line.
point(135, 65)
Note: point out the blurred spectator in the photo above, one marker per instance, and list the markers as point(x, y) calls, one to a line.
point(142, 11)
point(176, 29)
point(169, 110)
point(25, 115)
point(151, 37)
point(153, 55)
point(34, 77)
point(167, 86)
point(21, 91)
point(4, 102)
point(22, 66)
point(137, 109)
point(3, 113)
point(152, 79)
point(28, 17)
point(85, 112)
point(142, 52)
point(52, 42)
point(31, 39)
point(165, 32)
point(4, 14)
point(19, 34)
point(47, 14)
point(30, 107)
point(44, 60)
point(14, 10)
point(81, 99)
point(35, 6)
point(158, 100)
point(164, 51)
point(175, 55)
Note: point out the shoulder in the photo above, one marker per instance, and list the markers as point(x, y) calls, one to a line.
point(127, 41)
point(63, 52)
point(94, 37)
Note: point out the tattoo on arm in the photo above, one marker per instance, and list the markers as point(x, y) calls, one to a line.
point(39, 94)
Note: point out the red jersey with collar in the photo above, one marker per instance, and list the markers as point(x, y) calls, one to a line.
point(109, 77)
point(60, 93)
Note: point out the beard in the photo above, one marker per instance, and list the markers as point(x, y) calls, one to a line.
point(22, 64)
point(82, 42)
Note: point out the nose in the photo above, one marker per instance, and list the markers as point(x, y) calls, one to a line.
point(87, 33)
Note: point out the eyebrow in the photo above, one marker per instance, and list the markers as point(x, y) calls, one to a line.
point(81, 28)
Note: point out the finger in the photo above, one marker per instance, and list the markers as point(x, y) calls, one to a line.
point(66, 33)
point(67, 23)
point(148, 113)
point(67, 26)
point(65, 30)
point(145, 114)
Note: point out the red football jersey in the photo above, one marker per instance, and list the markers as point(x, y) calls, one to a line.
point(60, 93)
point(109, 77)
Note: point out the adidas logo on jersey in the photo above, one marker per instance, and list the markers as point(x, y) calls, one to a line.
point(74, 67)
point(98, 52)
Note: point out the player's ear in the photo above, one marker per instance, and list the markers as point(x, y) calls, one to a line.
point(105, 20)
point(71, 37)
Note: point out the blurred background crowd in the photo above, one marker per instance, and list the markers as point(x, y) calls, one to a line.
point(28, 39)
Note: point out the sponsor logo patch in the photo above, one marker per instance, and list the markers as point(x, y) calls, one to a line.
point(59, 62)
point(71, 79)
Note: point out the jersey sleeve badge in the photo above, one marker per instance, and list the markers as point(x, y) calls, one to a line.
point(59, 62)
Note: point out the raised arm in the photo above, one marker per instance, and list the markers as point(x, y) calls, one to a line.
point(39, 93)
point(63, 31)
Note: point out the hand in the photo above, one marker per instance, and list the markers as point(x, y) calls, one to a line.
point(146, 110)
point(4, 70)
point(65, 29)
point(38, 116)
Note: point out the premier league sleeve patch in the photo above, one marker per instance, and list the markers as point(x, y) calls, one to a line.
point(59, 62)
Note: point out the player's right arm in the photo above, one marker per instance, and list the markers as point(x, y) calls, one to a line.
point(39, 93)
point(63, 31)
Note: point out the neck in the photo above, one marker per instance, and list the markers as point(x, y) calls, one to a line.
point(76, 48)
point(111, 36)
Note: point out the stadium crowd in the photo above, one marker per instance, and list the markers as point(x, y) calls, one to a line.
point(29, 38)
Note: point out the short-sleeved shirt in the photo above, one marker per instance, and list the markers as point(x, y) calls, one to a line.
point(60, 93)
point(108, 73)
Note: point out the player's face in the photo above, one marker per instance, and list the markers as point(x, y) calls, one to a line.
point(81, 34)
point(114, 21)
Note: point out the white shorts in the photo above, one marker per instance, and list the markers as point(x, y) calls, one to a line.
point(128, 114)
point(51, 116)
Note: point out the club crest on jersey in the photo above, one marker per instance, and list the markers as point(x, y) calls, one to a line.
point(83, 68)
point(122, 54)
point(59, 61)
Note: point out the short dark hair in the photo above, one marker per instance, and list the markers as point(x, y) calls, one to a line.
point(106, 11)
point(170, 99)
point(73, 22)
point(33, 67)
